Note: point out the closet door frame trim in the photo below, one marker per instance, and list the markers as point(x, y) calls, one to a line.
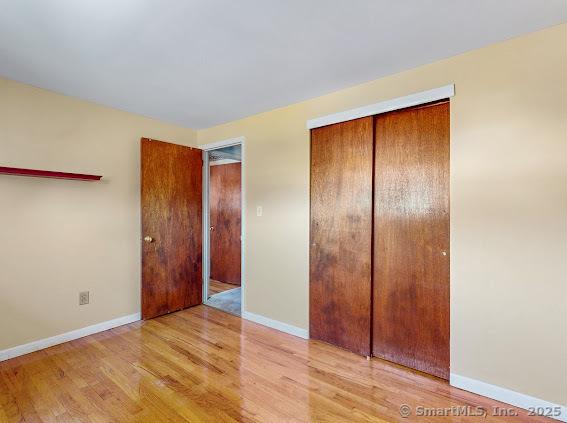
point(398, 103)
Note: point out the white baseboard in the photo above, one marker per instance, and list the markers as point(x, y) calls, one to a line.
point(506, 395)
point(276, 324)
point(65, 337)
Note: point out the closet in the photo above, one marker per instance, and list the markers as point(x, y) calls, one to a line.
point(379, 236)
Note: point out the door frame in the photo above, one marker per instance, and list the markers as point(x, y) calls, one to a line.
point(206, 216)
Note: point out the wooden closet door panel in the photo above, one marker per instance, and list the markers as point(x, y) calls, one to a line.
point(341, 234)
point(411, 238)
point(171, 185)
point(225, 211)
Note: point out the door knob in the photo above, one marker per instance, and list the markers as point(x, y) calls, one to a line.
point(148, 239)
point(212, 228)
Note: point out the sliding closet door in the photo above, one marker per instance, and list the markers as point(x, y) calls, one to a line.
point(341, 234)
point(411, 239)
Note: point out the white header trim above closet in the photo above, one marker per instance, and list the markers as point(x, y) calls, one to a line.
point(384, 106)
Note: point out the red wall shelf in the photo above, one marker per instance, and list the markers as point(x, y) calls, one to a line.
point(47, 174)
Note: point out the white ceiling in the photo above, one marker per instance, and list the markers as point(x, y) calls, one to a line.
point(198, 63)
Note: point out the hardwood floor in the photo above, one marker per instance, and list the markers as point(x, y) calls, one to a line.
point(216, 287)
point(202, 364)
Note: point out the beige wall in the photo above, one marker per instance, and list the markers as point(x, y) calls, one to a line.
point(508, 207)
point(59, 237)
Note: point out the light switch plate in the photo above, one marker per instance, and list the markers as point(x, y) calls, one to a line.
point(259, 211)
point(83, 298)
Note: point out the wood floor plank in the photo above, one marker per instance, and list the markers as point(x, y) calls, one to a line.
point(203, 365)
point(216, 287)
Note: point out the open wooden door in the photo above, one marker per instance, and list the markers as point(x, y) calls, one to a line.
point(171, 227)
point(226, 214)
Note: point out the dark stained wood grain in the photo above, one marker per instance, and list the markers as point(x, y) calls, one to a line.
point(341, 234)
point(411, 233)
point(225, 216)
point(172, 215)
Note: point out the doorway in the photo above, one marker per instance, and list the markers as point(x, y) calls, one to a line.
point(222, 216)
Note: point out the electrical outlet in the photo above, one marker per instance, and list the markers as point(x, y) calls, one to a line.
point(83, 298)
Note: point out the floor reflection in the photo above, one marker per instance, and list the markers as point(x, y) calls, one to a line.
point(202, 364)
